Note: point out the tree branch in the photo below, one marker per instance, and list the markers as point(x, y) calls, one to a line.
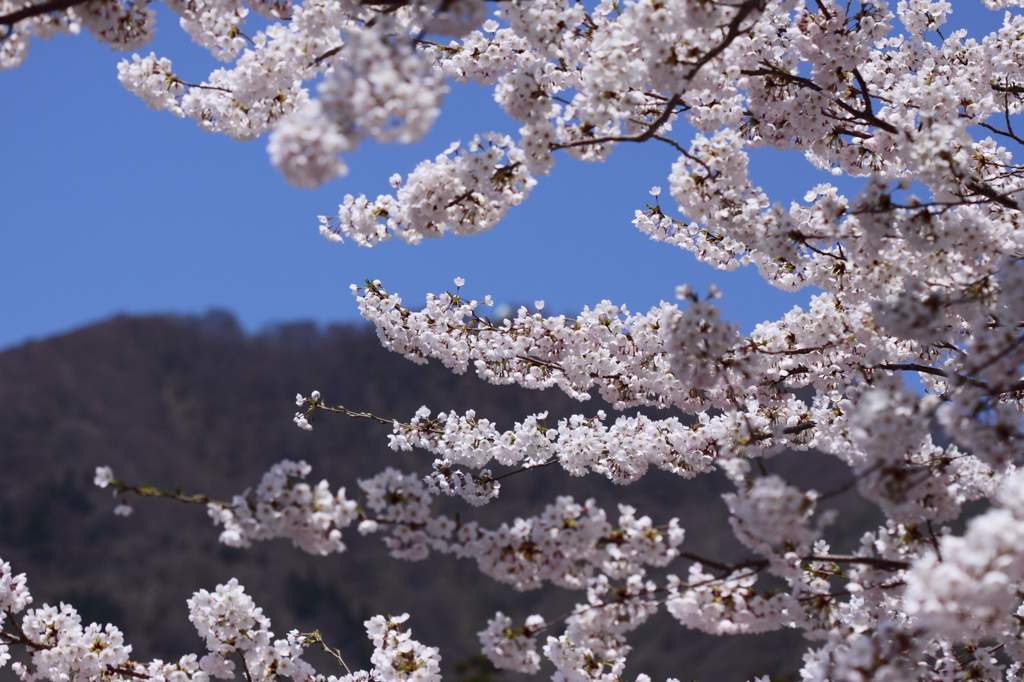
point(877, 562)
point(934, 371)
point(36, 10)
point(758, 564)
point(1012, 89)
point(526, 468)
point(245, 668)
point(150, 491)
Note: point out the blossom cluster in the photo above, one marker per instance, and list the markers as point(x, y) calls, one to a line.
point(234, 629)
point(460, 193)
point(621, 451)
point(284, 505)
point(230, 623)
point(398, 657)
point(512, 649)
point(563, 545)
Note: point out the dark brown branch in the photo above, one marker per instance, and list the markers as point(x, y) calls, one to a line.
point(203, 87)
point(341, 409)
point(934, 540)
point(852, 133)
point(864, 90)
point(799, 427)
point(19, 638)
point(129, 673)
point(648, 134)
point(330, 53)
point(245, 668)
point(384, 6)
point(924, 369)
point(1004, 133)
point(36, 10)
point(934, 371)
point(988, 192)
point(913, 367)
point(381, 420)
point(794, 351)
point(758, 564)
point(1012, 89)
point(745, 10)
point(983, 189)
point(529, 468)
point(19, 635)
point(789, 430)
point(669, 140)
point(1002, 354)
point(877, 562)
point(800, 238)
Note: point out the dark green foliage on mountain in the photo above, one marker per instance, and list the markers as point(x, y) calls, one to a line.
point(196, 403)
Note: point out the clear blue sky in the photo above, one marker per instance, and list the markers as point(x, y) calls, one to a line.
point(107, 207)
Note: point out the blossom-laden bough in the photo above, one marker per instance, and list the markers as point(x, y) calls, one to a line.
point(919, 274)
point(236, 633)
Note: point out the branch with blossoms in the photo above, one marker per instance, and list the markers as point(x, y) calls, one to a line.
point(58, 647)
point(578, 443)
point(618, 596)
point(298, 490)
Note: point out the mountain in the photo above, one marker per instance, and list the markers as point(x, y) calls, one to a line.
point(195, 402)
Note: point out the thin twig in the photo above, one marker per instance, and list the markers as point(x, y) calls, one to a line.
point(316, 637)
point(725, 568)
point(245, 668)
point(202, 87)
point(934, 540)
point(150, 491)
point(528, 468)
point(341, 409)
point(877, 562)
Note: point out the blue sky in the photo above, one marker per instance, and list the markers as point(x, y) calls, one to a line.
point(107, 207)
